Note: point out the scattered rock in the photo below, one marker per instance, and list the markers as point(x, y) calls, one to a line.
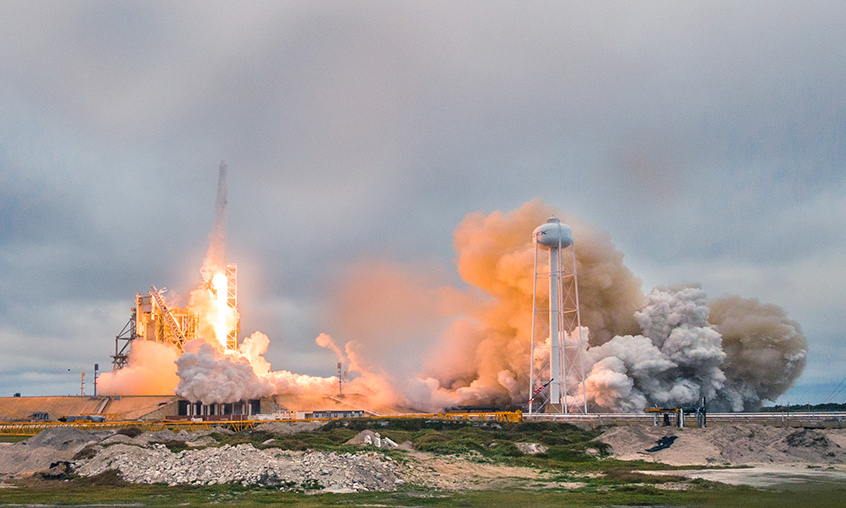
point(246, 465)
point(370, 438)
point(58, 471)
point(531, 448)
point(203, 441)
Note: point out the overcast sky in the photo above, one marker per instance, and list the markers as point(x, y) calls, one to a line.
point(708, 138)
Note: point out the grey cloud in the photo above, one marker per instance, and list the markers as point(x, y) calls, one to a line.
point(697, 134)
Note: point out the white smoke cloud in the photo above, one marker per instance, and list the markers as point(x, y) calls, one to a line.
point(209, 376)
point(735, 353)
point(765, 351)
point(682, 357)
point(675, 362)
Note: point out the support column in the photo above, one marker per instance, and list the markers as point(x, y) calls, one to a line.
point(554, 312)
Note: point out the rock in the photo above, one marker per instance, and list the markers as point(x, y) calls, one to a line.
point(531, 448)
point(246, 465)
point(58, 471)
point(203, 441)
point(370, 438)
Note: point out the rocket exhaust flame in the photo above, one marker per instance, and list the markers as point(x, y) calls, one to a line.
point(223, 313)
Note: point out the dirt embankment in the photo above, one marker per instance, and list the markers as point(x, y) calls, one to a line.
point(144, 458)
point(729, 445)
point(199, 458)
point(39, 452)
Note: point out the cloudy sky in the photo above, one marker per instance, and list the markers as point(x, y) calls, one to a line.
point(709, 140)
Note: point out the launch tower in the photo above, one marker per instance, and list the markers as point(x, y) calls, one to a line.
point(153, 319)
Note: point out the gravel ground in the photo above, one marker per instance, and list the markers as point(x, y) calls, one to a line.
point(246, 465)
point(145, 459)
point(729, 445)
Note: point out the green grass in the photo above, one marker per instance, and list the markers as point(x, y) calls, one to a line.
point(13, 439)
point(492, 440)
point(565, 461)
point(108, 489)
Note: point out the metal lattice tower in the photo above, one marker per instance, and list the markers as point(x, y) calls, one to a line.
point(557, 374)
point(232, 301)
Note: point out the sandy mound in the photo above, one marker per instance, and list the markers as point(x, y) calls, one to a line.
point(60, 438)
point(197, 438)
point(39, 452)
point(727, 444)
point(289, 427)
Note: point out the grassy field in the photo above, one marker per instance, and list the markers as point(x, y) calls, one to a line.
point(567, 459)
point(12, 439)
point(108, 491)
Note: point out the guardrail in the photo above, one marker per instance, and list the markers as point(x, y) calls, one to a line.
point(832, 420)
point(33, 428)
point(820, 419)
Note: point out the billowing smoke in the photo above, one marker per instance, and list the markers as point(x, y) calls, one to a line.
point(412, 341)
point(487, 351)
point(675, 361)
point(732, 351)
point(655, 350)
point(765, 351)
point(150, 370)
point(207, 375)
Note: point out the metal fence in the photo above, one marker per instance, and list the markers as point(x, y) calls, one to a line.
point(819, 419)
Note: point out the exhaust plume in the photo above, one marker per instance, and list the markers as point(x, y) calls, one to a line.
point(150, 370)
point(472, 345)
point(215, 261)
point(675, 362)
point(765, 351)
point(209, 376)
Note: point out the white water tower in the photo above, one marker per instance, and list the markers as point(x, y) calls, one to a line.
point(556, 361)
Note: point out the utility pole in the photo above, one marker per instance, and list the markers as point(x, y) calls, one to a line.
point(340, 379)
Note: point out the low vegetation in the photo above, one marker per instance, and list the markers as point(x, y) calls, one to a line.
point(572, 456)
point(109, 489)
point(492, 440)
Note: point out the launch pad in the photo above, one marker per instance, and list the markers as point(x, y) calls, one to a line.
point(153, 319)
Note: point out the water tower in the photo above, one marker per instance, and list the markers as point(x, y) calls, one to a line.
point(556, 361)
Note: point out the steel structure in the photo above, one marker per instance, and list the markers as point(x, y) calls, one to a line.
point(232, 301)
point(557, 375)
point(33, 428)
point(152, 319)
point(126, 336)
